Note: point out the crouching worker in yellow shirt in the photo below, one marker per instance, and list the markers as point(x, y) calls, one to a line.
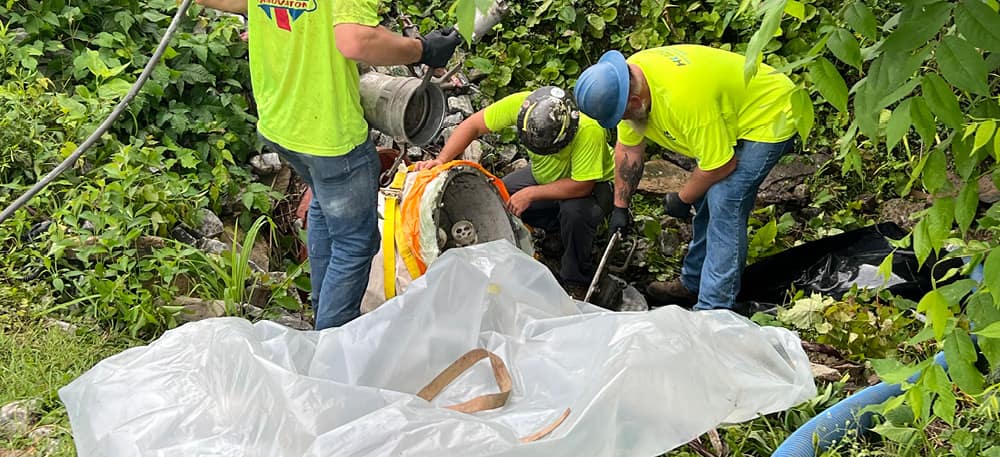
point(567, 188)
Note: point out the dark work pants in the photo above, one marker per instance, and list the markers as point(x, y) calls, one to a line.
point(576, 220)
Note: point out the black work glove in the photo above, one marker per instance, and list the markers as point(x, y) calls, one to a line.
point(439, 45)
point(675, 207)
point(620, 220)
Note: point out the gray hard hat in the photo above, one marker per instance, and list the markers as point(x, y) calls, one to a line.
point(548, 120)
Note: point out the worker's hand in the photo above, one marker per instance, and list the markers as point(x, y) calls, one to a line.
point(427, 164)
point(439, 45)
point(675, 207)
point(520, 201)
point(620, 220)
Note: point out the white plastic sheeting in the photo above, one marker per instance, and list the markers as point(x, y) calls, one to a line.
point(637, 384)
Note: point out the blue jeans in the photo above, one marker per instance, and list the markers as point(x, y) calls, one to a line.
point(342, 228)
point(718, 248)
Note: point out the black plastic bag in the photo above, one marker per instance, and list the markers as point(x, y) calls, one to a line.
point(833, 265)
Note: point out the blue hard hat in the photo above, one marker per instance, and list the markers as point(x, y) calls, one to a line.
point(602, 90)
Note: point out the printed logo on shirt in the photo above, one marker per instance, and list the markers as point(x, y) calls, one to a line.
point(284, 12)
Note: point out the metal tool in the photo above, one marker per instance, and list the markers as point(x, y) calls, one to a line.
point(600, 267)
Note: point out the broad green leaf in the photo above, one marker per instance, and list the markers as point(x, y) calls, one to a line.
point(979, 24)
point(919, 29)
point(922, 119)
point(892, 371)
point(966, 160)
point(803, 108)
point(942, 100)
point(765, 235)
point(961, 356)
point(773, 9)
point(965, 207)
point(829, 82)
point(921, 243)
point(885, 267)
point(902, 435)
point(845, 47)
point(609, 14)
point(596, 22)
point(483, 65)
point(996, 147)
point(983, 313)
point(936, 380)
point(466, 12)
point(935, 170)
point(861, 19)
point(962, 65)
point(954, 292)
point(796, 9)
point(937, 310)
point(983, 134)
point(939, 219)
point(991, 273)
point(567, 14)
point(990, 331)
point(898, 125)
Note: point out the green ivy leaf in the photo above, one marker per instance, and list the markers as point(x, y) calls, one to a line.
point(962, 65)
point(773, 10)
point(845, 47)
point(829, 82)
point(942, 100)
point(937, 310)
point(596, 22)
point(861, 19)
point(898, 125)
point(968, 202)
point(991, 273)
point(483, 65)
point(935, 171)
point(919, 29)
point(567, 14)
point(961, 356)
point(803, 108)
point(983, 134)
point(979, 24)
point(795, 9)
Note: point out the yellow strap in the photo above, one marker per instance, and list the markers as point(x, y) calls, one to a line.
point(389, 234)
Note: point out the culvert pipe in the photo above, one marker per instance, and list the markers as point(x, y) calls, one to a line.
point(403, 107)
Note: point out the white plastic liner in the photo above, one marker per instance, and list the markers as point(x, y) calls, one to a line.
point(637, 384)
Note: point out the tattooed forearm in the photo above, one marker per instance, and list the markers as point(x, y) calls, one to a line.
point(628, 172)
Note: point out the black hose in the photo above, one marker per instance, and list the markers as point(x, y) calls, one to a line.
point(66, 164)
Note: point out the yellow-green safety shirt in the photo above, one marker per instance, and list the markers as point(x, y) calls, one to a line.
point(587, 158)
point(700, 105)
point(306, 90)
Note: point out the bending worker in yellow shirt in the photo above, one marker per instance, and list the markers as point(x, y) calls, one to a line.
point(693, 100)
point(304, 73)
point(567, 188)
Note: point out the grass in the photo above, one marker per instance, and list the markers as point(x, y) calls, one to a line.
point(37, 358)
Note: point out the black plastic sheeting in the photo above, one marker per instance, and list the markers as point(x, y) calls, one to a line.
point(833, 265)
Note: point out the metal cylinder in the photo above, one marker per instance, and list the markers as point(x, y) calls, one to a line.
point(403, 107)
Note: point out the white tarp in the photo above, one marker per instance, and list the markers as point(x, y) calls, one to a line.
point(636, 384)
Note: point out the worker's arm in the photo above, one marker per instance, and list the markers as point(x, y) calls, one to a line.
point(628, 171)
point(470, 129)
point(561, 189)
point(376, 45)
point(700, 180)
point(232, 6)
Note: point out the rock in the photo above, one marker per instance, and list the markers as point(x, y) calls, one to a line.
point(824, 372)
point(260, 252)
point(196, 309)
point(786, 181)
point(514, 166)
point(473, 153)
point(210, 225)
point(988, 192)
point(670, 242)
point(452, 120)
point(295, 322)
point(899, 210)
point(181, 233)
point(445, 134)
point(281, 181)
point(61, 325)
point(212, 246)
point(660, 177)
point(414, 153)
point(506, 153)
point(266, 164)
point(461, 104)
point(18, 417)
point(681, 160)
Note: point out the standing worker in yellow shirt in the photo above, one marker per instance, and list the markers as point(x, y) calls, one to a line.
point(566, 188)
point(693, 100)
point(304, 75)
